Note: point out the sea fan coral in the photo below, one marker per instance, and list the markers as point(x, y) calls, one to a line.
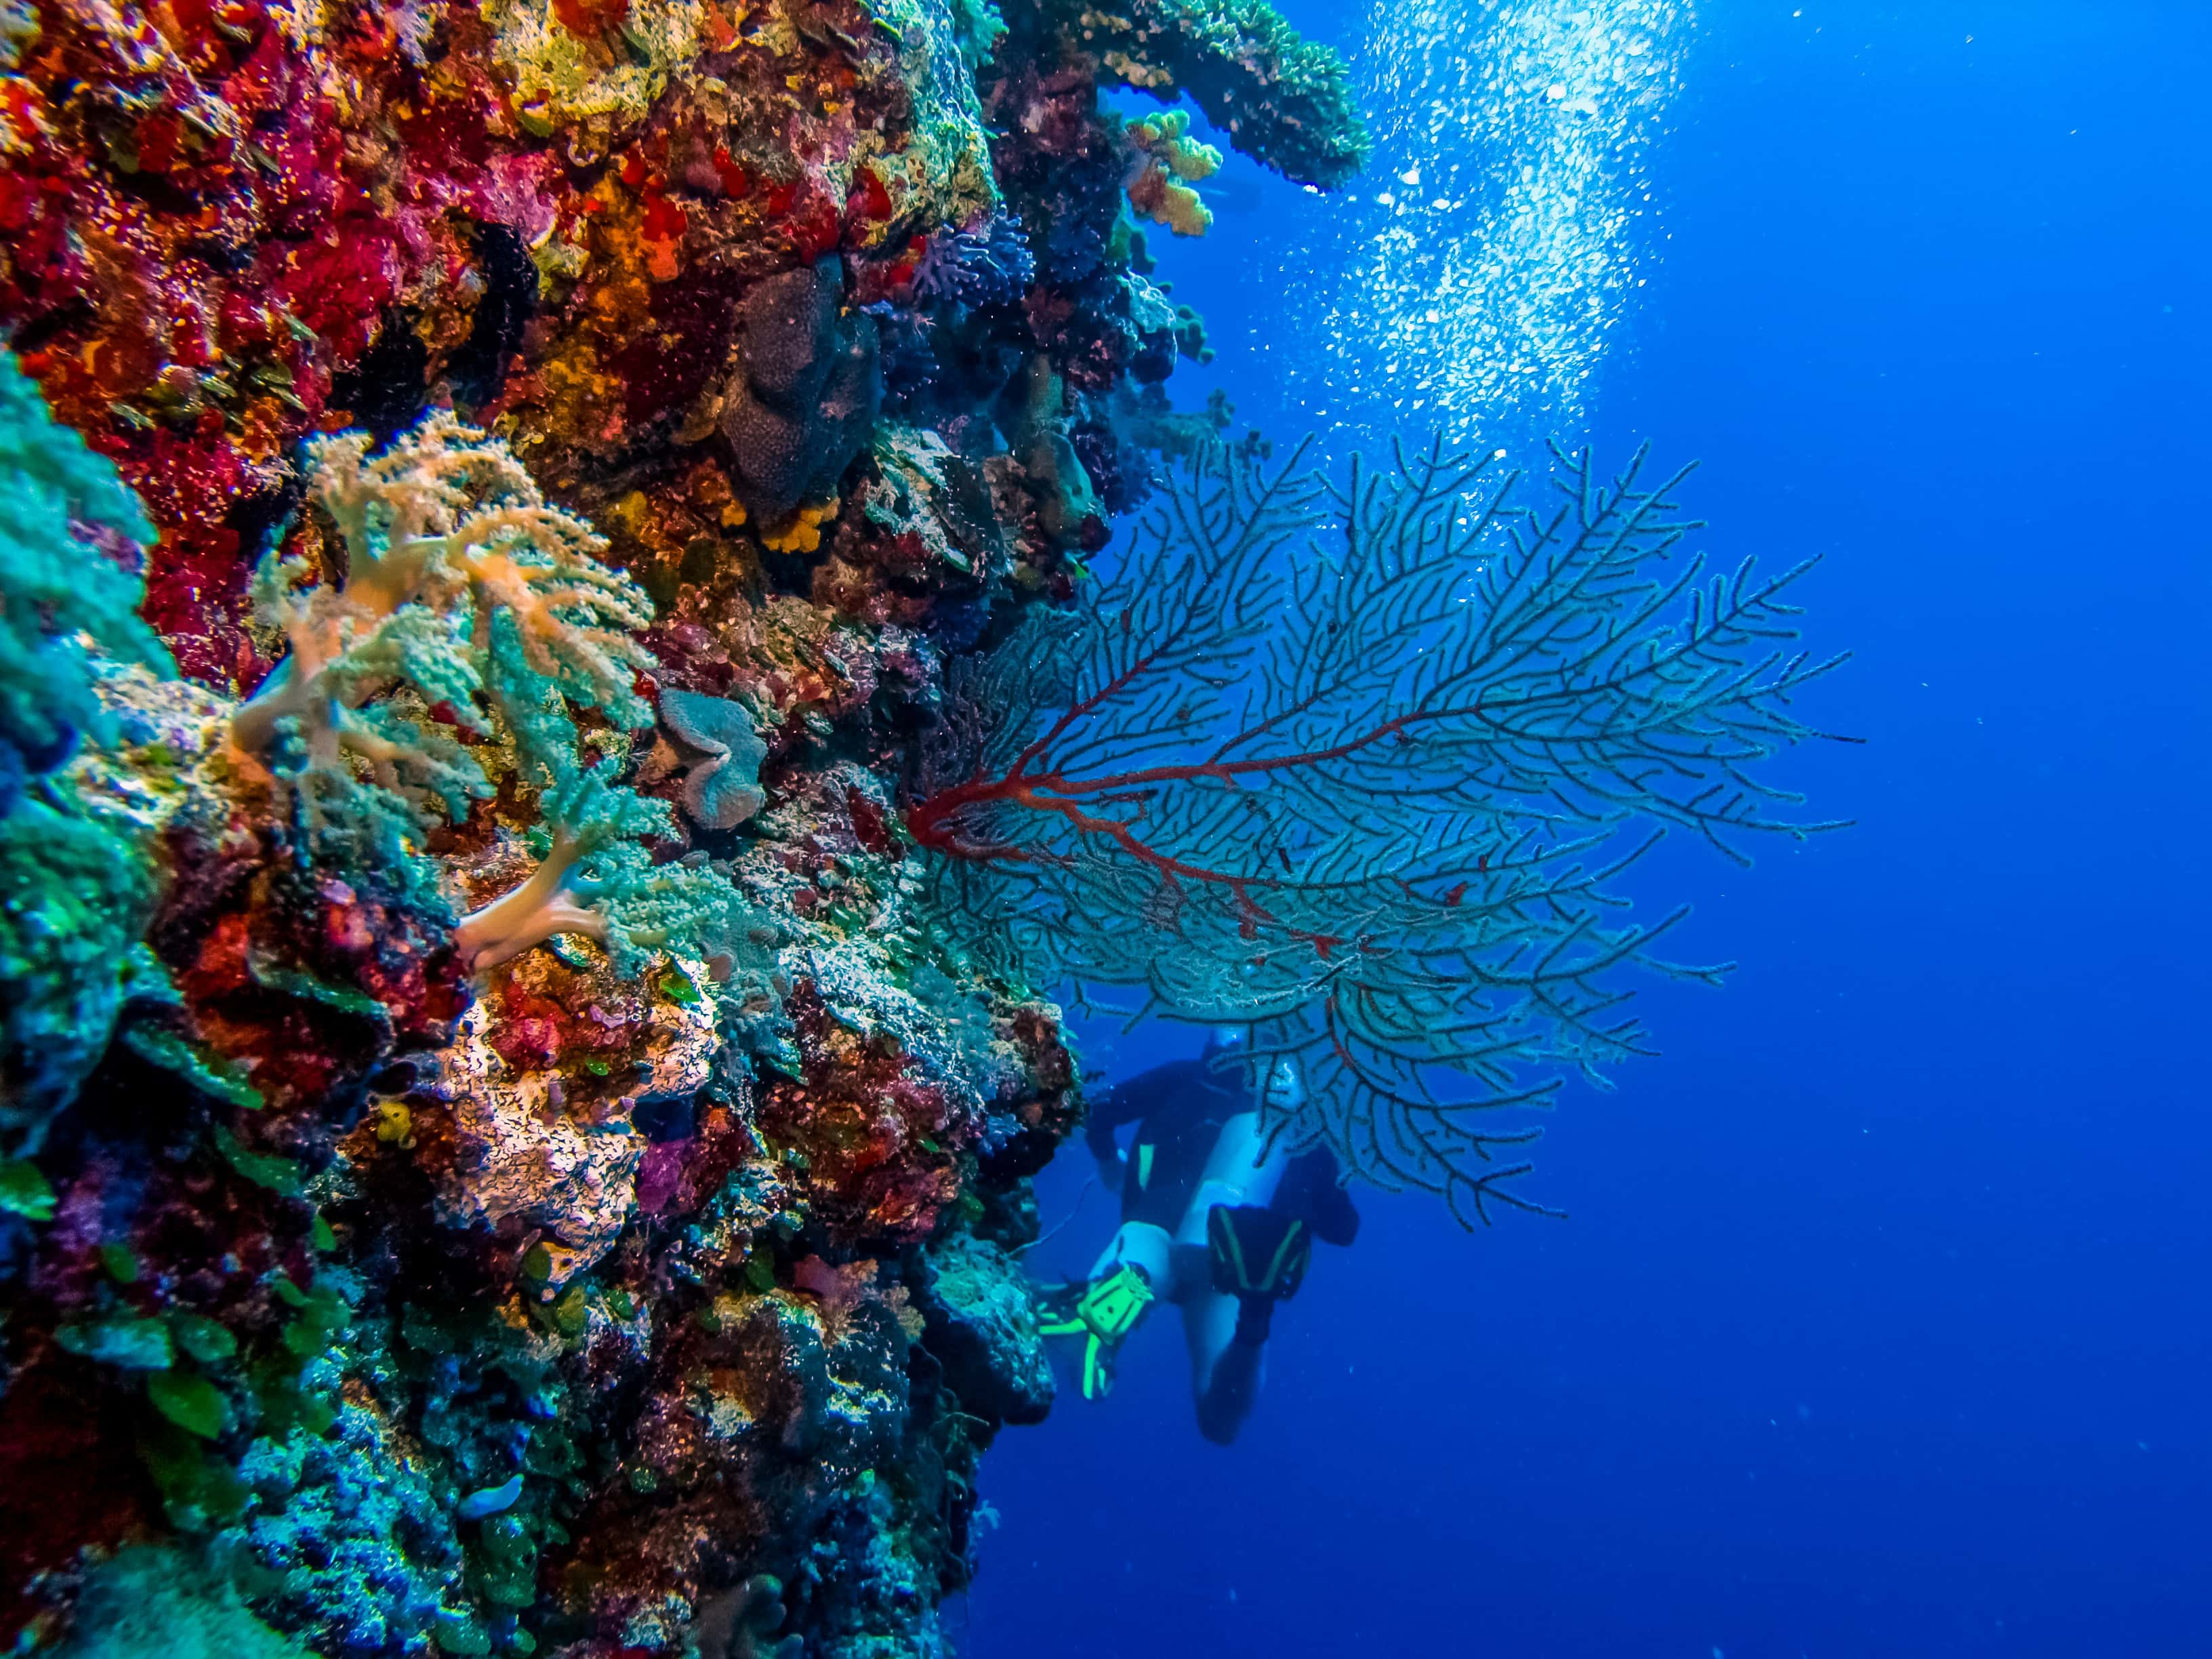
point(1352, 764)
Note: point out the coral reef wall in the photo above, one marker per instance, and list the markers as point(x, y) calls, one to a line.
point(493, 1157)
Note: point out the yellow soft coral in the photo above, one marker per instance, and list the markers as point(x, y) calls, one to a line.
point(804, 533)
point(1173, 162)
point(599, 82)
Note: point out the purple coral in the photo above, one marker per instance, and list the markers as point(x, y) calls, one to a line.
point(988, 266)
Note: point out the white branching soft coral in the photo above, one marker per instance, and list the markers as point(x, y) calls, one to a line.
point(471, 609)
point(595, 880)
point(464, 594)
point(444, 531)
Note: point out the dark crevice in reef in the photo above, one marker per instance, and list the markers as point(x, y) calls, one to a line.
point(479, 370)
point(382, 391)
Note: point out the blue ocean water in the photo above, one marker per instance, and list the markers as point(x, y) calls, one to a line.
point(1881, 1324)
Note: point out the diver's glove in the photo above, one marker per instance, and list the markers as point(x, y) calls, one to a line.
point(1260, 1258)
point(1103, 1314)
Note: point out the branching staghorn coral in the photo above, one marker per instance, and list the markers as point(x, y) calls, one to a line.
point(1356, 765)
point(451, 548)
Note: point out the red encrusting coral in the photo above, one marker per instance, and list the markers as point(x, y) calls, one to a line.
point(881, 1144)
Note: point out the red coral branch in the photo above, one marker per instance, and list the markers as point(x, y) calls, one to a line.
point(1329, 762)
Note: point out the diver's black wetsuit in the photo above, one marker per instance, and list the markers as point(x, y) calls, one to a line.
point(1180, 1109)
point(1212, 1221)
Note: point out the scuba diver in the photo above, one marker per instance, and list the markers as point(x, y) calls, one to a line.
point(1212, 1219)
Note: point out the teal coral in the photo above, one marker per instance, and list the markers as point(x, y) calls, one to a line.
point(723, 790)
point(978, 25)
point(1282, 99)
point(156, 1602)
point(368, 1557)
point(56, 589)
point(944, 168)
point(465, 587)
point(75, 895)
point(74, 900)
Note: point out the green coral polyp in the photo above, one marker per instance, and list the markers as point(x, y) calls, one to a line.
point(25, 1190)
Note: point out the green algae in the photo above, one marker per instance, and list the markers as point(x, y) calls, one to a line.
point(208, 1072)
point(278, 1175)
point(25, 1190)
point(189, 1400)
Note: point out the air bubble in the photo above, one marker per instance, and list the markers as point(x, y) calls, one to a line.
point(1501, 312)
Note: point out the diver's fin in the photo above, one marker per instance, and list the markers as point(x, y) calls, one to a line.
point(1103, 1314)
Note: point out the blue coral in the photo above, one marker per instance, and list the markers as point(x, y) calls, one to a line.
point(989, 266)
point(369, 1559)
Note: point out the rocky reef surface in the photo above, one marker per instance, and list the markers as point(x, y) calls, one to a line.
point(495, 1155)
